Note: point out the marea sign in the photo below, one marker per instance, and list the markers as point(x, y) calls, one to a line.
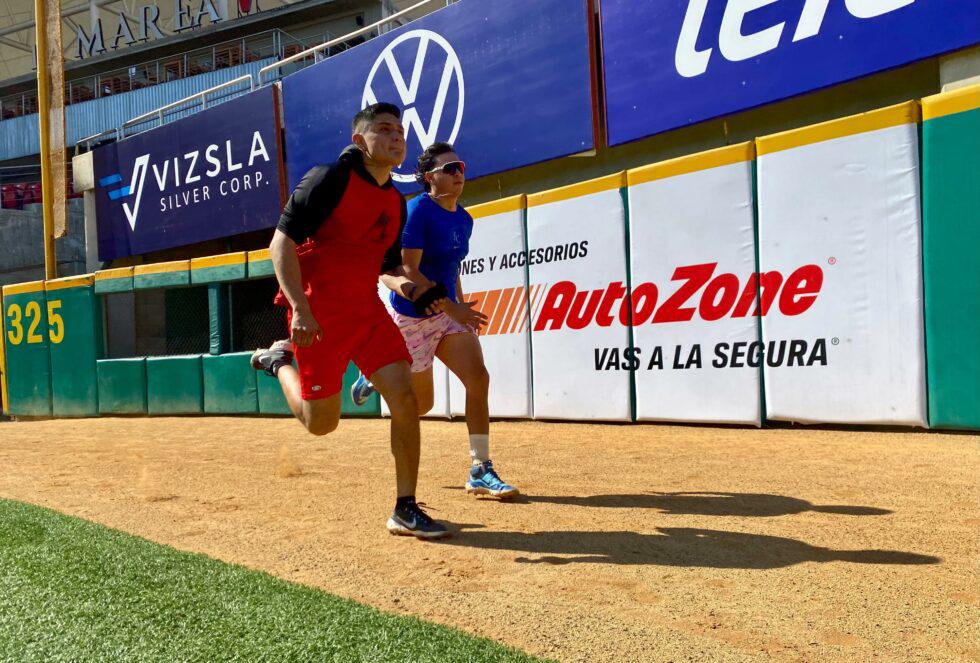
point(211, 175)
point(509, 83)
point(675, 62)
point(144, 23)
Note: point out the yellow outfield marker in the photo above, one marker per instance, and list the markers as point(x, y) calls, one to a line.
point(693, 163)
point(892, 116)
point(502, 206)
point(598, 185)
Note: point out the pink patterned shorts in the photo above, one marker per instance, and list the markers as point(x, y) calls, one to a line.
point(422, 336)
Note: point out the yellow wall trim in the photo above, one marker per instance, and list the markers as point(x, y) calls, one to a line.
point(70, 282)
point(219, 261)
point(956, 101)
point(23, 288)
point(115, 273)
point(162, 267)
point(723, 156)
point(502, 206)
point(892, 116)
point(259, 255)
point(614, 181)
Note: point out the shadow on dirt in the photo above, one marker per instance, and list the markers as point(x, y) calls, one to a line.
point(670, 546)
point(707, 504)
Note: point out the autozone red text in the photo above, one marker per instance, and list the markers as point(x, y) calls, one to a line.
point(697, 290)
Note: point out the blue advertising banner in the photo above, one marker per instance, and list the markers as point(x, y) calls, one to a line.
point(213, 174)
point(508, 82)
point(671, 63)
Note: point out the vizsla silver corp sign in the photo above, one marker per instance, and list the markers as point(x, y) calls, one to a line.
point(145, 23)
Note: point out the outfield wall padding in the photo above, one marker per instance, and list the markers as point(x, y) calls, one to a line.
point(271, 400)
point(229, 384)
point(28, 360)
point(75, 335)
point(122, 385)
point(840, 252)
point(494, 278)
point(174, 385)
point(951, 235)
point(693, 260)
point(577, 253)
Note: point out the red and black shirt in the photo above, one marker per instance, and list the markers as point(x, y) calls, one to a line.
point(347, 229)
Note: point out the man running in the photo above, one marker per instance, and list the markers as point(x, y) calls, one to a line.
point(341, 226)
point(434, 243)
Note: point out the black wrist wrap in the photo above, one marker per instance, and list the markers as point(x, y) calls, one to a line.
point(425, 300)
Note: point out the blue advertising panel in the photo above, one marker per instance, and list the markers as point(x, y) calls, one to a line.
point(509, 82)
point(671, 63)
point(210, 175)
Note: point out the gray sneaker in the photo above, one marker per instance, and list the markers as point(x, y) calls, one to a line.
point(272, 358)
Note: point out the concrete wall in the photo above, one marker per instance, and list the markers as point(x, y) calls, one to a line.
point(21, 235)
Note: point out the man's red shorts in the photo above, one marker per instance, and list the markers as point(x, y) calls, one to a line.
point(368, 337)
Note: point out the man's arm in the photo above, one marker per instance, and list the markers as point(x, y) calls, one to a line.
point(311, 203)
point(304, 329)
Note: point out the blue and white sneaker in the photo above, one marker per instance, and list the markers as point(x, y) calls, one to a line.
point(361, 390)
point(484, 480)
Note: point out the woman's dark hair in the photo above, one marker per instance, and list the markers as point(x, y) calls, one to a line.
point(428, 161)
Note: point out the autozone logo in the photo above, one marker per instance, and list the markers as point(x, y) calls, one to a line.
point(698, 291)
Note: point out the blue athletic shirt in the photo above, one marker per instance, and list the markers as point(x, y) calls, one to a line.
point(444, 238)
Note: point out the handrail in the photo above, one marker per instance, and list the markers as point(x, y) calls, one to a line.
point(275, 66)
point(139, 119)
point(89, 139)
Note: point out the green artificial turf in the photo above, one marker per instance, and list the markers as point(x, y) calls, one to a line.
point(71, 590)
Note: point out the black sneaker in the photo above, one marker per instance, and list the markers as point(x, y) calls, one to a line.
point(411, 520)
point(270, 359)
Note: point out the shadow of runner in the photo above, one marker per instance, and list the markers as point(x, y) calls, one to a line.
point(708, 504)
point(672, 546)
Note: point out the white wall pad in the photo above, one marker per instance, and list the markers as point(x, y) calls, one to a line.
point(840, 241)
point(692, 265)
point(577, 257)
point(494, 277)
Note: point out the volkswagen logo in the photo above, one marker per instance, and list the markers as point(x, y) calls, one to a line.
point(424, 106)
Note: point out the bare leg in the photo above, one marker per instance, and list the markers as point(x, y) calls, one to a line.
point(320, 416)
point(422, 386)
point(394, 383)
point(464, 357)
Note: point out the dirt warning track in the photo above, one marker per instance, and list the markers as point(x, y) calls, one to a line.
point(635, 543)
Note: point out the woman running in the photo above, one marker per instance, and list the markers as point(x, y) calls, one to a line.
point(439, 323)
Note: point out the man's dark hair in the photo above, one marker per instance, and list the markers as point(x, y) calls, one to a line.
point(369, 114)
point(428, 161)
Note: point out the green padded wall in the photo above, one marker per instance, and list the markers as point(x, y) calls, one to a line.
point(370, 409)
point(229, 384)
point(28, 363)
point(75, 323)
point(951, 242)
point(271, 398)
point(114, 280)
point(259, 264)
point(219, 269)
point(219, 318)
point(174, 385)
point(122, 386)
point(162, 275)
